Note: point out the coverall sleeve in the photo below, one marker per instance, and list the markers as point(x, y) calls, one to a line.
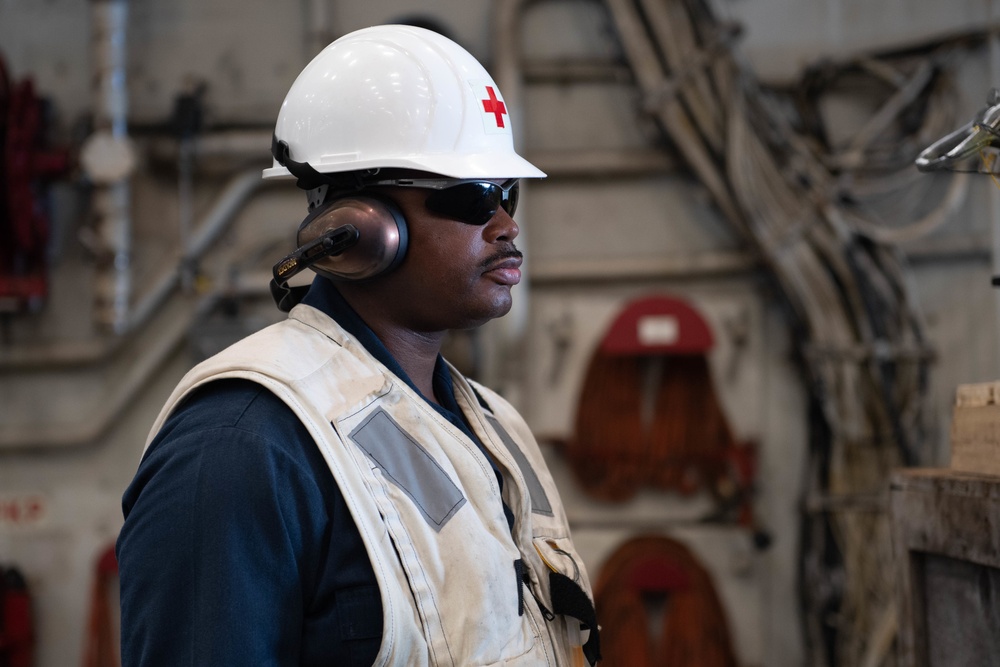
point(213, 553)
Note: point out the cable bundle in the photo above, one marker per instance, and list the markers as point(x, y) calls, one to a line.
point(825, 214)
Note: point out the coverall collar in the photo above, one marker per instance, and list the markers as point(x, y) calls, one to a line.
point(324, 296)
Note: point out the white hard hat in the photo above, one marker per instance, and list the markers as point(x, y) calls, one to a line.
point(395, 96)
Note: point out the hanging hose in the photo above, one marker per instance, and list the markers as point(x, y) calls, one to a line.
point(648, 414)
point(694, 629)
point(679, 444)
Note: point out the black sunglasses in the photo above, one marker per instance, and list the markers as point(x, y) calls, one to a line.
point(473, 202)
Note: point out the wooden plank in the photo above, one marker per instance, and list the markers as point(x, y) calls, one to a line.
point(975, 429)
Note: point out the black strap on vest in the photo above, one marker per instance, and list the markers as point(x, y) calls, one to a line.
point(568, 599)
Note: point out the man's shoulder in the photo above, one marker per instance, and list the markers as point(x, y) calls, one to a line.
point(306, 344)
point(286, 347)
point(234, 404)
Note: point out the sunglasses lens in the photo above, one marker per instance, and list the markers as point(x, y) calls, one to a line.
point(510, 202)
point(472, 203)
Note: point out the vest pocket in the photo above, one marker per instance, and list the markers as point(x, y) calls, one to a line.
point(559, 555)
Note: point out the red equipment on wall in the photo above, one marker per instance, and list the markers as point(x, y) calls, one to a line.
point(24, 164)
point(649, 416)
point(17, 633)
point(656, 325)
point(101, 649)
point(653, 569)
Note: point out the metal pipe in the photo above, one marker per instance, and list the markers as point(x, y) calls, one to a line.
point(561, 71)
point(185, 205)
point(49, 436)
point(112, 198)
point(501, 339)
point(603, 162)
point(601, 270)
point(317, 27)
point(229, 145)
point(994, 196)
point(236, 193)
point(506, 336)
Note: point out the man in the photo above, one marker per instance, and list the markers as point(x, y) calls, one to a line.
point(330, 491)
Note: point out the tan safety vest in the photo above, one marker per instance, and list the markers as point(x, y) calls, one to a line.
point(425, 499)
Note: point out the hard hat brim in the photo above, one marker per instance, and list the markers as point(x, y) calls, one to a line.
point(499, 165)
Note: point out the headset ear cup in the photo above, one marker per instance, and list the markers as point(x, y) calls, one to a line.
point(382, 242)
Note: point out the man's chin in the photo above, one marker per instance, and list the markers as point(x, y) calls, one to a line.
point(496, 310)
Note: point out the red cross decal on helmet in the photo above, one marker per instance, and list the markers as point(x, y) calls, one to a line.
point(494, 106)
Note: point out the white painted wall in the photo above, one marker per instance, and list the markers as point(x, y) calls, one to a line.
point(248, 53)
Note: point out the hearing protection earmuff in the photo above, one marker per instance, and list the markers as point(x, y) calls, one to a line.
point(352, 238)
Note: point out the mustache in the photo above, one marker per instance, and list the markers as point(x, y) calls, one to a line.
point(499, 256)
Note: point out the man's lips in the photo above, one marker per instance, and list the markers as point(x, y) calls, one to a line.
point(505, 268)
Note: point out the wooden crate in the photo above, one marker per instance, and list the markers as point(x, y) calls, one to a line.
point(946, 535)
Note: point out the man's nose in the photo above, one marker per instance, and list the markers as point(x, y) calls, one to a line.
point(501, 227)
